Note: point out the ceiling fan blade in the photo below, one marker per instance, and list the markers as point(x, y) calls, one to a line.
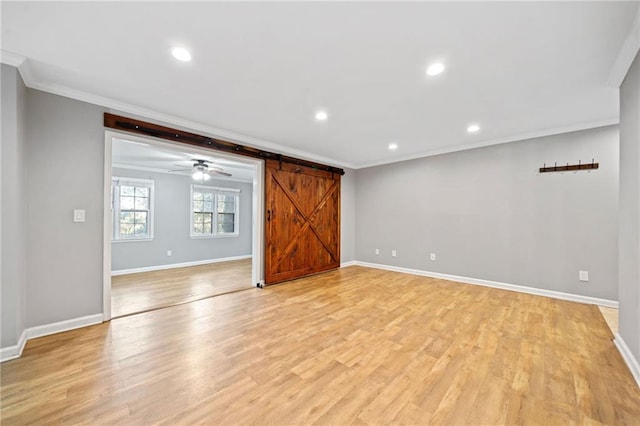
point(179, 170)
point(219, 173)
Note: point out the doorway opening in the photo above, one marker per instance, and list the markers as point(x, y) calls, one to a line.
point(181, 223)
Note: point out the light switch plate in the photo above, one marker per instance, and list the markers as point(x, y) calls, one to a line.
point(78, 215)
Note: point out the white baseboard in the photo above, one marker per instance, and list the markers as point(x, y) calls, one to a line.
point(15, 351)
point(12, 352)
point(178, 265)
point(495, 284)
point(628, 357)
point(59, 327)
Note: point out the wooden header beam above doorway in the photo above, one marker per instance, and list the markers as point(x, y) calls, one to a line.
point(149, 129)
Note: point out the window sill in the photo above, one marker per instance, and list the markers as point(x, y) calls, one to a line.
point(132, 240)
point(199, 237)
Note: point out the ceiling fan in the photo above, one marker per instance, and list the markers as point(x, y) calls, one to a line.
point(201, 170)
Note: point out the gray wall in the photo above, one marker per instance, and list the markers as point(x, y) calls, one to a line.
point(347, 216)
point(65, 157)
point(629, 266)
point(488, 214)
point(171, 226)
point(13, 210)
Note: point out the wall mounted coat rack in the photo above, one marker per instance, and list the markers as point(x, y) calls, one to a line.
point(569, 167)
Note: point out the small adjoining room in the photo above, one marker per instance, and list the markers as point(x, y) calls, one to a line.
point(182, 226)
point(295, 213)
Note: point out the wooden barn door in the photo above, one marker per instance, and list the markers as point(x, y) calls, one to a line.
point(302, 233)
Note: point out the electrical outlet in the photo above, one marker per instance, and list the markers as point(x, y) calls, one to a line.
point(583, 275)
point(393, 253)
point(169, 253)
point(433, 256)
point(377, 251)
point(78, 215)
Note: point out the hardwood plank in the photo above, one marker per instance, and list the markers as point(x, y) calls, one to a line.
point(352, 346)
point(145, 291)
point(611, 316)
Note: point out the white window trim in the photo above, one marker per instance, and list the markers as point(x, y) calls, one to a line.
point(215, 190)
point(116, 181)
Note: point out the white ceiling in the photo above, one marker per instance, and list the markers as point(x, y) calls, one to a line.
point(261, 70)
point(138, 155)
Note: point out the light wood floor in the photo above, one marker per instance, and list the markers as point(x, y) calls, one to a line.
point(611, 317)
point(144, 291)
point(354, 346)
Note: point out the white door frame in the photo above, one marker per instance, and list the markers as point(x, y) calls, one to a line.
point(257, 246)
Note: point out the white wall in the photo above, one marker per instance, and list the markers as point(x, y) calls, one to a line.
point(13, 208)
point(629, 285)
point(171, 226)
point(488, 214)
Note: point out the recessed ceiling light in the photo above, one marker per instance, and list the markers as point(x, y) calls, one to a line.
point(321, 115)
point(435, 69)
point(393, 146)
point(473, 128)
point(181, 54)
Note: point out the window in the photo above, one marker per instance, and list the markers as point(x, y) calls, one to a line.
point(132, 209)
point(214, 211)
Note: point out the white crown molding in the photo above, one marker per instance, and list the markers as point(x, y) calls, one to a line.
point(628, 357)
point(116, 106)
point(10, 58)
point(626, 54)
point(122, 107)
point(178, 265)
point(193, 126)
point(490, 142)
point(495, 284)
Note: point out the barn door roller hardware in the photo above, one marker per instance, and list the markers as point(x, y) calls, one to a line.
point(569, 167)
point(131, 125)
